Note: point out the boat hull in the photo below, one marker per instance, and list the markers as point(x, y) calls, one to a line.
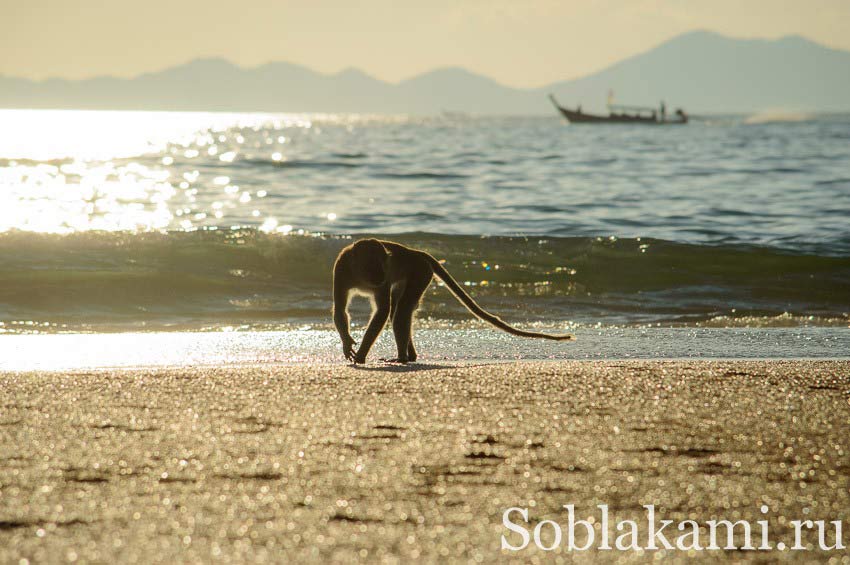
point(576, 117)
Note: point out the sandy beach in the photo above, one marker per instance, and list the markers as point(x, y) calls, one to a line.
point(332, 462)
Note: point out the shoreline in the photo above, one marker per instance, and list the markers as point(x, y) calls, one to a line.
point(332, 462)
point(455, 346)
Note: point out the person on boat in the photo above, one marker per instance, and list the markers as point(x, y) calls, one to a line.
point(663, 111)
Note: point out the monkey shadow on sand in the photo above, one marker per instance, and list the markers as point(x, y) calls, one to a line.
point(411, 367)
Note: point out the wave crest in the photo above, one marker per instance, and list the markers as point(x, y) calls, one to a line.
point(225, 277)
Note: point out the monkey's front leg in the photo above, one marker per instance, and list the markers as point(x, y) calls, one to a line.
point(376, 324)
point(348, 348)
point(340, 312)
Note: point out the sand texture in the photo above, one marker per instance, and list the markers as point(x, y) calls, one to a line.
point(318, 463)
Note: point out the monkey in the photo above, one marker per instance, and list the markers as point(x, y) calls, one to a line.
point(394, 277)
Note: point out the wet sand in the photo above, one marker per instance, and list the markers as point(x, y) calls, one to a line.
point(328, 462)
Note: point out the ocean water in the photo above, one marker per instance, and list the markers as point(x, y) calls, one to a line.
point(134, 221)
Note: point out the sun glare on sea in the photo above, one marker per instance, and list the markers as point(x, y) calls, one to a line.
point(64, 171)
point(43, 135)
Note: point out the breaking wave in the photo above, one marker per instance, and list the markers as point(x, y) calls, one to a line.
point(210, 279)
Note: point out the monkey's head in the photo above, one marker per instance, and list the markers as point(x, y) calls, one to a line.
point(371, 260)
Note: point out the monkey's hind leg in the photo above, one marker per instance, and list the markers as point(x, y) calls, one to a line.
point(395, 298)
point(403, 319)
point(411, 351)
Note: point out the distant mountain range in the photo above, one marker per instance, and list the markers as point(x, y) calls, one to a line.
point(701, 71)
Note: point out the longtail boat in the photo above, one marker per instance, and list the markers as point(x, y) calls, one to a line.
point(618, 114)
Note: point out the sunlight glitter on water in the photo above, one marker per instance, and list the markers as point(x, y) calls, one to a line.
point(64, 171)
point(81, 351)
point(41, 135)
point(81, 196)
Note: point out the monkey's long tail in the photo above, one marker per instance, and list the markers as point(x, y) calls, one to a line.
point(479, 312)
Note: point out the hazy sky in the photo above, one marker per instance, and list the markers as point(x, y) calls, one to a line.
point(519, 43)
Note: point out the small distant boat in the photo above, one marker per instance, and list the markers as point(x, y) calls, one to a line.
point(454, 115)
point(618, 114)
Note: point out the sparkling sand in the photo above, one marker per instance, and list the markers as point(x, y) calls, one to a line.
point(384, 463)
